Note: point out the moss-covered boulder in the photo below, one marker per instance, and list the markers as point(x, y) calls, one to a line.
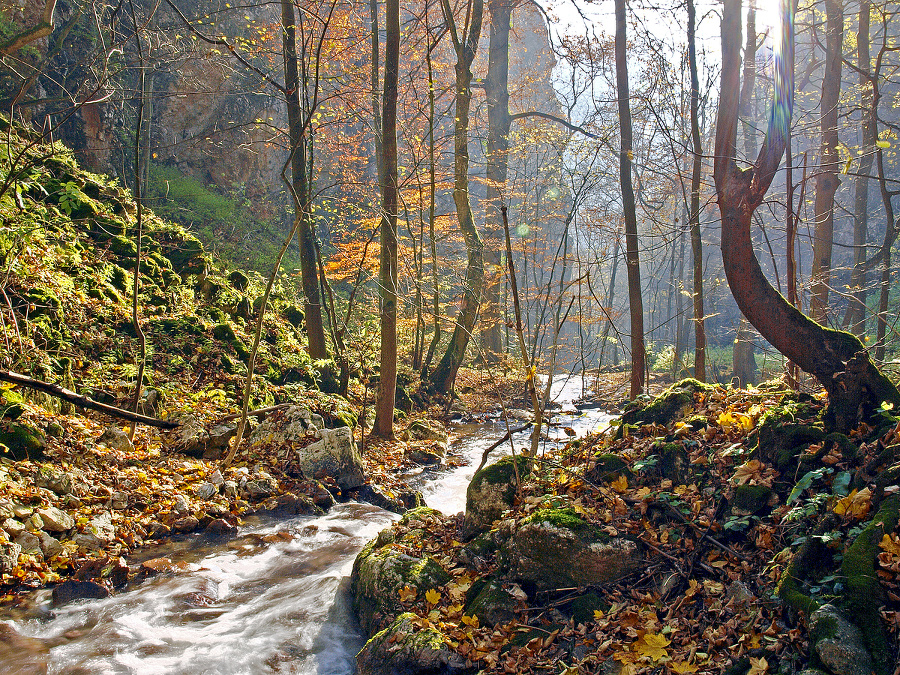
point(410, 646)
point(673, 403)
point(491, 492)
point(786, 431)
point(607, 468)
point(751, 500)
point(493, 601)
point(557, 548)
point(20, 441)
point(239, 280)
point(838, 645)
point(381, 571)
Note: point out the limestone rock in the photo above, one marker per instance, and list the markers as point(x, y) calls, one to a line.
point(9, 556)
point(495, 603)
point(334, 455)
point(116, 439)
point(406, 646)
point(60, 482)
point(381, 571)
point(261, 488)
point(839, 643)
point(13, 527)
point(555, 548)
point(205, 490)
point(424, 430)
point(50, 546)
point(56, 520)
point(193, 439)
point(30, 543)
point(491, 492)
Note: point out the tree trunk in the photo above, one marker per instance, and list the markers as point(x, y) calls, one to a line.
point(837, 359)
point(827, 181)
point(387, 273)
point(855, 318)
point(445, 373)
point(696, 243)
point(432, 188)
point(315, 328)
point(632, 262)
point(496, 91)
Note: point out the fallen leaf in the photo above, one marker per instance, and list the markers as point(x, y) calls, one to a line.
point(758, 666)
point(432, 597)
point(856, 504)
point(407, 594)
point(620, 484)
point(652, 646)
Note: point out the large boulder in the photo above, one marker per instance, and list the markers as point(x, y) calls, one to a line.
point(410, 645)
point(491, 492)
point(192, 438)
point(381, 571)
point(838, 644)
point(556, 548)
point(334, 455)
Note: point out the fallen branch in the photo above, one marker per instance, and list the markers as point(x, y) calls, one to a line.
point(496, 445)
point(259, 412)
point(83, 401)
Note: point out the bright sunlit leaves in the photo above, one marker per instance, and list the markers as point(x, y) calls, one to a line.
point(855, 505)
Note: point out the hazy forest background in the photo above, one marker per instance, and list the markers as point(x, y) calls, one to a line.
point(245, 122)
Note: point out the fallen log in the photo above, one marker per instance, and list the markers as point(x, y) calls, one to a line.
point(83, 401)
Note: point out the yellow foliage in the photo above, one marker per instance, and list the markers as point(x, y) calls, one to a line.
point(856, 504)
point(653, 646)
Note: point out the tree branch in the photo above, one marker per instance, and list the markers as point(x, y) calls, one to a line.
point(43, 29)
point(83, 401)
point(553, 118)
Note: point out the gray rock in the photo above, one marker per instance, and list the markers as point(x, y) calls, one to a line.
point(22, 512)
point(231, 489)
point(9, 556)
point(839, 643)
point(50, 546)
point(116, 439)
point(205, 490)
point(216, 478)
point(334, 455)
point(88, 541)
point(34, 523)
point(29, 543)
point(422, 430)
point(56, 520)
point(181, 505)
point(519, 414)
point(495, 604)
point(13, 527)
point(119, 501)
point(98, 532)
point(60, 482)
point(261, 488)
point(406, 646)
point(556, 549)
point(490, 492)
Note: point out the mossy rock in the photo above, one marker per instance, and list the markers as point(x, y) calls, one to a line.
point(186, 254)
point(607, 468)
point(123, 246)
point(674, 403)
point(781, 440)
point(864, 594)
point(120, 278)
point(410, 646)
point(21, 441)
point(294, 315)
point(239, 280)
point(751, 499)
point(42, 302)
point(379, 573)
point(557, 548)
point(491, 603)
point(224, 332)
point(584, 606)
point(491, 492)
point(674, 463)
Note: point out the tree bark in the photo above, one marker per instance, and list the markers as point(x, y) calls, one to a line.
point(632, 261)
point(696, 243)
point(855, 317)
point(315, 327)
point(387, 274)
point(444, 375)
point(827, 181)
point(496, 91)
point(837, 359)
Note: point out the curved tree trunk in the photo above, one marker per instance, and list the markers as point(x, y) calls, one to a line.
point(837, 359)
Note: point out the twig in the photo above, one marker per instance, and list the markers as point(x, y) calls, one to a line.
point(83, 401)
point(496, 445)
point(259, 412)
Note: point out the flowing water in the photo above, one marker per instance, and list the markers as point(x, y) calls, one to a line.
point(273, 600)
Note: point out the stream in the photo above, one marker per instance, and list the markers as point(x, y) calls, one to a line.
point(274, 599)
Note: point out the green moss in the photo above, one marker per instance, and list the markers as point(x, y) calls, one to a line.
point(564, 518)
point(42, 302)
point(673, 403)
point(224, 332)
point(751, 499)
point(607, 468)
point(583, 607)
point(864, 594)
point(21, 441)
point(502, 471)
point(294, 315)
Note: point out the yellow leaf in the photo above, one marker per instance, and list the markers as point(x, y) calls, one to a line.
point(620, 484)
point(407, 594)
point(883, 144)
point(432, 597)
point(470, 620)
point(747, 472)
point(681, 667)
point(758, 666)
point(652, 646)
point(856, 504)
point(598, 614)
point(890, 544)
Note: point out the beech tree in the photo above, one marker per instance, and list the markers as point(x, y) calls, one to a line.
point(837, 359)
